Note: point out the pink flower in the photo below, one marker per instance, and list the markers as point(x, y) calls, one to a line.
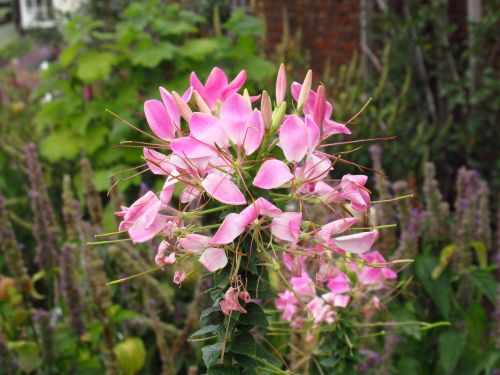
point(159, 119)
point(179, 276)
point(287, 226)
point(231, 303)
point(335, 227)
point(216, 86)
point(222, 188)
point(353, 190)
point(287, 303)
point(162, 258)
point(272, 174)
point(293, 134)
point(321, 312)
point(303, 285)
point(244, 296)
point(374, 275)
point(339, 284)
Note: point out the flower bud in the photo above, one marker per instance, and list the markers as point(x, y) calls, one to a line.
point(246, 95)
point(202, 105)
point(265, 109)
point(281, 85)
point(244, 296)
point(277, 118)
point(186, 112)
point(304, 91)
point(319, 106)
point(179, 276)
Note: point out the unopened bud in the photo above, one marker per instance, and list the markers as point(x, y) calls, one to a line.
point(186, 112)
point(202, 105)
point(244, 296)
point(281, 85)
point(277, 118)
point(304, 91)
point(246, 95)
point(265, 109)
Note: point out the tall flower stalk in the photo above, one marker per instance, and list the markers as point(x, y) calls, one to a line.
point(253, 175)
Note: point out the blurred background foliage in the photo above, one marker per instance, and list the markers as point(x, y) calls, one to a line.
point(56, 138)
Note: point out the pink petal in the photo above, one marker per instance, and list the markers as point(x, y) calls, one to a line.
point(195, 243)
point(167, 190)
point(234, 114)
point(221, 187)
point(230, 229)
point(253, 133)
point(157, 162)
point(293, 138)
point(179, 276)
point(235, 85)
point(159, 120)
point(272, 174)
point(339, 284)
point(207, 128)
point(190, 147)
point(171, 106)
point(189, 194)
point(357, 243)
point(249, 214)
point(335, 227)
point(216, 83)
point(313, 134)
point(213, 259)
point(331, 127)
point(319, 106)
point(141, 231)
point(287, 226)
point(266, 208)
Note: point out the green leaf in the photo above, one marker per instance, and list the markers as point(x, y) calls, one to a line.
point(150, 55)
point(62, 144)
point(198, 49)
point(481, 253)
point(255, 316)
point(211, 328)
point(95, 66)
point(259, 69)
point(450, 347)
point(28, 355)
point(440, 289)
point(444, 259)
point(131, 355)
point(222, 370)
point(486, 284)
point(211, 353)
point(244, 343)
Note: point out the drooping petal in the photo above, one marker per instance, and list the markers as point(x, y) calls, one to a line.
point(335, 227)
point(357, 243)
point(287, 226)
point(230, 229)
point(331, 127)
point(141, 231)
point(293, 138)
point(272, 174)
point(234, 114)
point(207, 128)
point(220, 187)
point(213, 259)
point(266, 208)
point(159, 120)
point(157, 162)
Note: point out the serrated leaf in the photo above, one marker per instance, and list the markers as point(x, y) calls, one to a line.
point(95, 66)
point(243, 343)
point(211, 353)
point(255, 316)
point(450, 347)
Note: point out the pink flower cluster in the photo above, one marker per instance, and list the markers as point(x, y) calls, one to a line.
point(221, 152)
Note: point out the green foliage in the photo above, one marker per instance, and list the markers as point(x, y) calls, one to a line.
point(116, 66)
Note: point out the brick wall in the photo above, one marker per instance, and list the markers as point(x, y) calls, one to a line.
point(330, 28)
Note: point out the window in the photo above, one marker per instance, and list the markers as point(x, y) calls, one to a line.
point(36, 14)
